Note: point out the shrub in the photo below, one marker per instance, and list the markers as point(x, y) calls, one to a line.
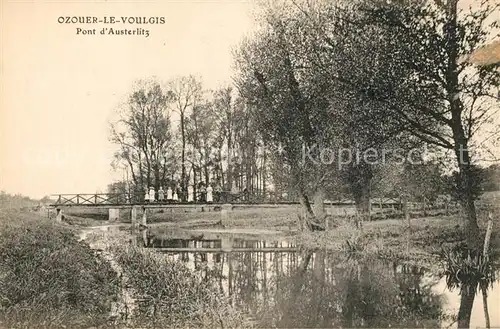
point(464, 268)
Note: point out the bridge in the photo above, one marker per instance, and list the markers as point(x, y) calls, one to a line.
point(124, 200)
point(225, 202)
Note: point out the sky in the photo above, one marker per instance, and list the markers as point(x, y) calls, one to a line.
point(59, 89)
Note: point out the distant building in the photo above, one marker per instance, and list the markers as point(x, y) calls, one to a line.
point(486, 55)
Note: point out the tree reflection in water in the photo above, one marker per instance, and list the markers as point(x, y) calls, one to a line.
point(353, 294)
point(320, 290)
point(315, 289)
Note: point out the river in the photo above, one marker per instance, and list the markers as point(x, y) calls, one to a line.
point(279, 285)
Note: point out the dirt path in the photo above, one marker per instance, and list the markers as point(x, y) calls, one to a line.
point(100, 238)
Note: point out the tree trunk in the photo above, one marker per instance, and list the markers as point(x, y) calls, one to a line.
point(467, 295)
point(229, 163)
point(131, 166)
point(157, 177)
point(467, 202)
point(195, 186)
point(484, 292)
point(360, 183)
point(221, 171)
point(308, 217)
point(164, 174)
point(363, 204)
point(264, 173)
point(459, 136)
point(207, 176)
point(141, 172)
point(183, 160)
point(319, 206)
point(406, 211)
point(148, 169)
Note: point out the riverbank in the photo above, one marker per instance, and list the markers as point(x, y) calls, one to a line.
point(86, 276)
point(252, 278)
point(49, 279)
point(417, 244)
point(53, 275)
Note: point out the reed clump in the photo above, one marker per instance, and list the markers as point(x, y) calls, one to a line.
point(169, 294)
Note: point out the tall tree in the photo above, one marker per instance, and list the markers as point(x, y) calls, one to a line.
point(187, 93)
point(444, 99)
point(200, 134)
point(351, 67)
point(223, 107)
point(143, 135)
point(292, 114)
point(309, 74)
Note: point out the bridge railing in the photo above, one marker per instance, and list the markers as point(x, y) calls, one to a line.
point(98, 199)
point(139, 198)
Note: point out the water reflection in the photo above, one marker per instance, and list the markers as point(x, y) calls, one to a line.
point(334, 291)
point(278, 285)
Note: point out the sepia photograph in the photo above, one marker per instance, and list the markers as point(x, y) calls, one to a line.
point(249, 164)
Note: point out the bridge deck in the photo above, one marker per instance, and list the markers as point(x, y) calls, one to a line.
point(174, 205)
point(120, 200)
point(224, 250)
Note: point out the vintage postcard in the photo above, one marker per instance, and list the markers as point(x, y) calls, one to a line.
point(249, 163)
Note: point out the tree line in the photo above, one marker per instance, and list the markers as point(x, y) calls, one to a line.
point(214, 140)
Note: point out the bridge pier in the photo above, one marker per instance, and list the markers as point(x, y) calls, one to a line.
point(133, 238)
point(145, 237)
point(144, 216)
point(225, 210)
point(133, 216)
point(114, 214)
point(59, 215)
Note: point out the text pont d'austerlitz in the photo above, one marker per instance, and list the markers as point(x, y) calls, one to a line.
point(122, 20)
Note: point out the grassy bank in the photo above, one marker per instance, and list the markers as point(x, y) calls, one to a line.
point(420, 244)
point(168, 294)
point(48, 279)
